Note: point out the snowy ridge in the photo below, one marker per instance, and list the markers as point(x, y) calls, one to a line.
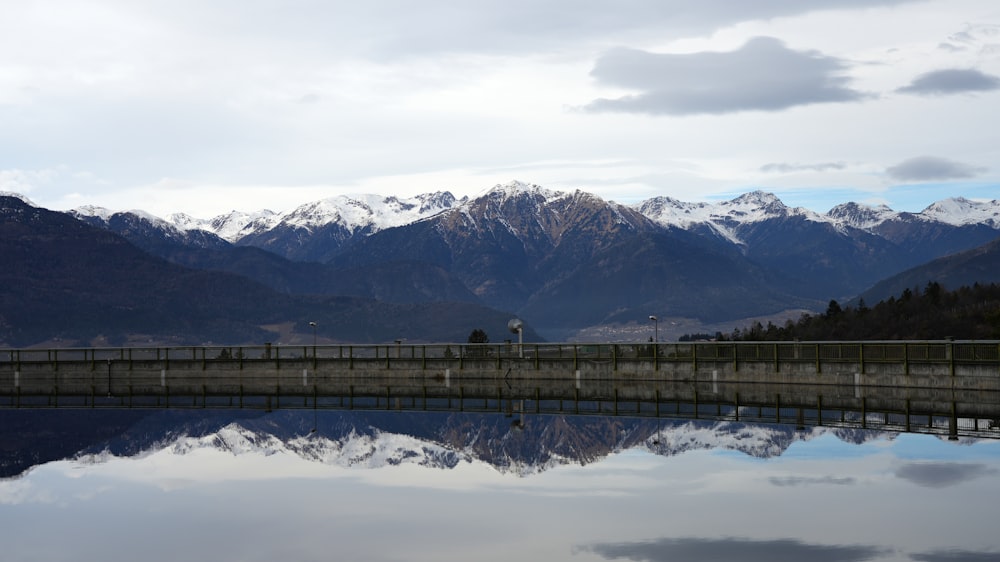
point(670, 211)
point(513, 189)
point(369, 213)
point(512, 453)
point(106, 215)
point(17, 196)
point(861, 216)
point(356, 450)
point(960, 211)
point(727, 216)
point(94, 211)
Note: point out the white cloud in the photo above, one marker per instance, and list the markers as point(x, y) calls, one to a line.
point(256, 104)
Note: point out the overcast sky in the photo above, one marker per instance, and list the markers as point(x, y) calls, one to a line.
point(204, 107)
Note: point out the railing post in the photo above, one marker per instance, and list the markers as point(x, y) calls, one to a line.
point(951, 357)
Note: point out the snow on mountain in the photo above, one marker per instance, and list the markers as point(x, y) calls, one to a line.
point(367, 212)
point(106, 215)
point(861, 217)
point(94, 211)
point(17, 196)
point(511, 453)
point(359, 450)
point(517, 188)
point(959, 211)
point(724, 217)
point(235, 224)
point(671, 212)
point(370, 213)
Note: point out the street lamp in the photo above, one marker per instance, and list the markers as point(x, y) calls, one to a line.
point(313, 326)
point(517, 327)
point(656, 329)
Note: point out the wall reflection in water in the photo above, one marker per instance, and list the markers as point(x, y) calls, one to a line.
point(383, 485)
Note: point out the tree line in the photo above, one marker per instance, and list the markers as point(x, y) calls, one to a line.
point(917, 314)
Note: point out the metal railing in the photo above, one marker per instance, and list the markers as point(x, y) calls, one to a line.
point(978, 352)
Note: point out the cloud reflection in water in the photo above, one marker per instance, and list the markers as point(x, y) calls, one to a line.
point(746, 550)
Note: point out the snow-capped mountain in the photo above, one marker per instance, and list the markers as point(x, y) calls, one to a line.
point(147, 231)
point(862, 217)
point(571, 260)
point(727, 217)
point(960, 211)
point(368, 212)
point(443, 441)
point(231, 226)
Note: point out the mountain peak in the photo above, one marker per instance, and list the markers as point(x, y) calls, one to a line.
point(960, 211)
point(864, 217)
point(670, 211)
point(755, 206)
point(757, 197)
point(760, 203)
point(22, 198)
point(516, 188)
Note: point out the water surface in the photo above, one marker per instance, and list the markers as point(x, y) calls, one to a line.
point(344, 485)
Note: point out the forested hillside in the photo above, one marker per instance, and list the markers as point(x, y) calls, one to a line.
point(931, 313)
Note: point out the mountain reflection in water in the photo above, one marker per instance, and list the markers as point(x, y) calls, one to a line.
point(385, 485)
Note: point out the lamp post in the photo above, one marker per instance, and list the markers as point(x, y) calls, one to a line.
point(656, 329)
point(313, 326)
point(517, 327)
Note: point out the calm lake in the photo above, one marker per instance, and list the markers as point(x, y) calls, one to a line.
point(301, 484)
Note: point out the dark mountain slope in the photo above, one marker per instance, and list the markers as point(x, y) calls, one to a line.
point(507, 245)
point(817, 261)
point(63, 279)
point(399, 282)
point(921, 240)
point(964, 269)
point(653, 273)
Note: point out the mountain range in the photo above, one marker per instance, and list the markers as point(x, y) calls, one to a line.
point(376, 439)
point(564, 262)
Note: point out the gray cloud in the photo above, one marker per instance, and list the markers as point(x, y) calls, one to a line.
point(951, 81)
point(695, 549)
point(950, 47)
point(762, 75)
point(785, 168)
point(930, 168)
point(803, 481)
point(942, 474)
point(956, 556)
